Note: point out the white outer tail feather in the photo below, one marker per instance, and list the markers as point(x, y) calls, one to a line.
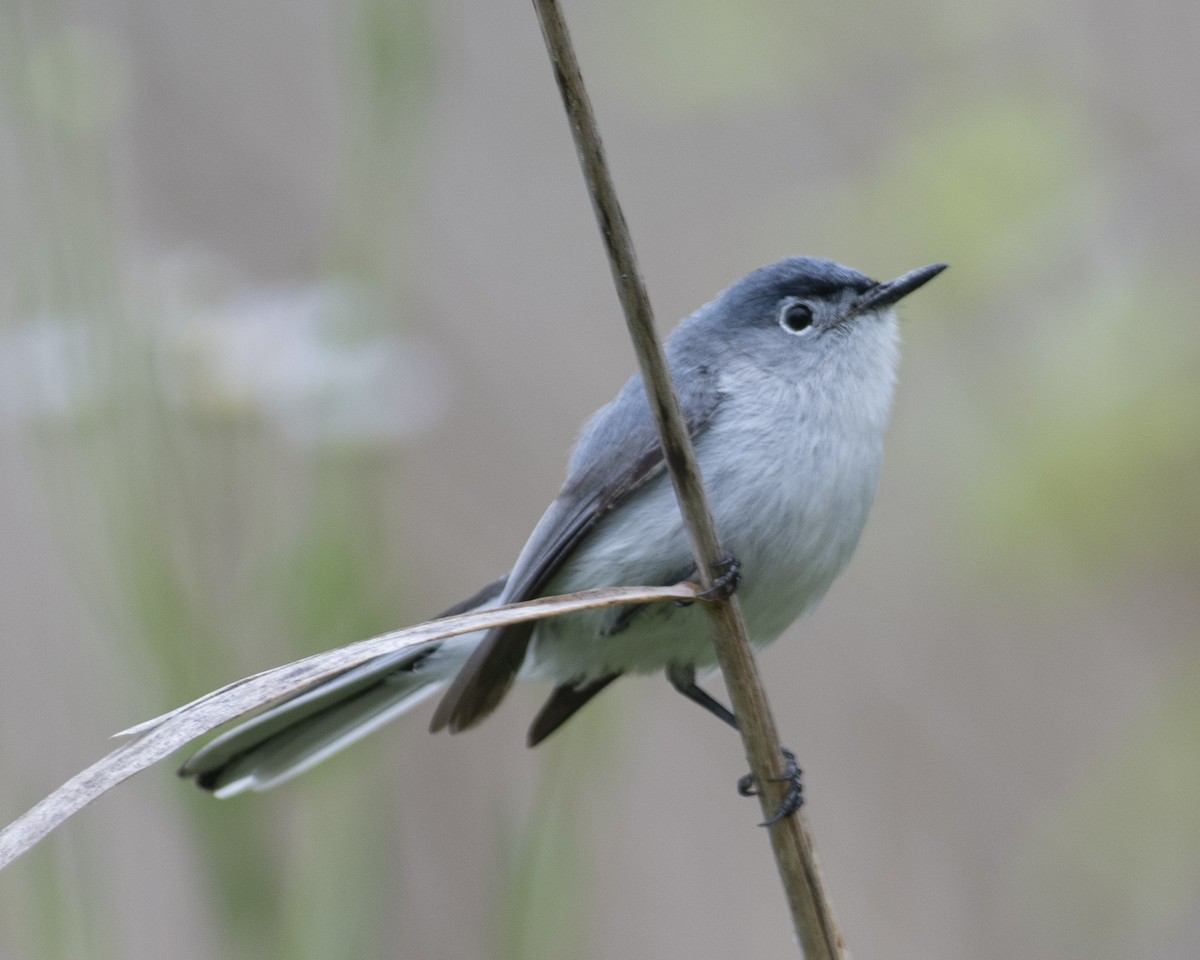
point(294, 736)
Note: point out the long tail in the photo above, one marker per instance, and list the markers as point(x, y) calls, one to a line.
point(293, 736)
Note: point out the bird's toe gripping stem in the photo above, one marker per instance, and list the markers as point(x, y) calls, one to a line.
point(793, 797)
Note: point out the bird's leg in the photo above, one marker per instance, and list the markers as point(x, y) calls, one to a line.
point(683, 679)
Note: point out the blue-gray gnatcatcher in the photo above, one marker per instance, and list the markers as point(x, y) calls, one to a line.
point(786, 381)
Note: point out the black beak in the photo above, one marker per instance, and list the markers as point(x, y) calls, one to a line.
point(885, 294)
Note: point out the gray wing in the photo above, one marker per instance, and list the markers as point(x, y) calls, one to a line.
point(618, 452)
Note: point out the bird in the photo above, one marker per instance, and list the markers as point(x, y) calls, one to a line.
point(785, 382)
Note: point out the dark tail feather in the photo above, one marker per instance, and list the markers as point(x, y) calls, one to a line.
point(564, 701)
point(484, 679)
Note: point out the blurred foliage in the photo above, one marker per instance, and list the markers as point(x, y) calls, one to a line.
point(746, 50)
point(992, 185)
point(208, 536)
point(546, 872)
point(174, 510)
point(1119, 857)
point(74, 82)
point(1101, 443)
point(391, 66)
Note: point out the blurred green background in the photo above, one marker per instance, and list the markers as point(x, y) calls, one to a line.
point(301, 305)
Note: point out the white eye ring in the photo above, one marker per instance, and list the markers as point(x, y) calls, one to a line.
point(796, 317)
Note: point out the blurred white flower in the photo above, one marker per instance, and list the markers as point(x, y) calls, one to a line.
point(295, 358)
point(305, 361)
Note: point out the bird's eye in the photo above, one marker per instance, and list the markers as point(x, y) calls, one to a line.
point(796, 317)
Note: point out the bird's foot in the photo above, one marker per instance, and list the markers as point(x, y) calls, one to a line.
point(793, 797)
point(727, 574)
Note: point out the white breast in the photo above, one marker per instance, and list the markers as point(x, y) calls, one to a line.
point(791, 468)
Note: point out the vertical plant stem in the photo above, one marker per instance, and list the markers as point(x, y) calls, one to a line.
point(791, 840)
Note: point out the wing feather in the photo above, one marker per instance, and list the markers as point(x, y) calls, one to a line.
point(618, 452)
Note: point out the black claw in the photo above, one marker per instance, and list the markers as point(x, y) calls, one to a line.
point(793, 798)
point(727, 575)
